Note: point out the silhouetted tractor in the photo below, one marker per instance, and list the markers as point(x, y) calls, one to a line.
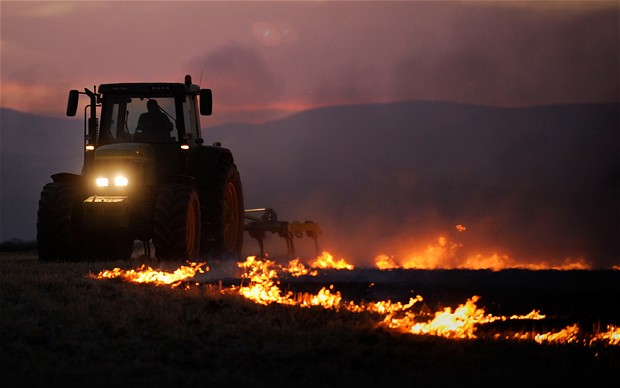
point(148, 176)
point(144, 178)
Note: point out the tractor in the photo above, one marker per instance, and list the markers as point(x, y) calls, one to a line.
point(148, 176)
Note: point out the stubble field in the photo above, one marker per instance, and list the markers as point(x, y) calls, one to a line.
point(60, 326)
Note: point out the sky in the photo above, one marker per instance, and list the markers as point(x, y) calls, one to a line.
point(266, 60)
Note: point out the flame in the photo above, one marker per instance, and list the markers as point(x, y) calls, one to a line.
point(146, 274)
point(296, 269)
point(534, 315)
point(458, 324)
point(325, 298)
point(383, 307)
point(326, 260)
point(567, 335)
point(611, 336)
point(263, 287)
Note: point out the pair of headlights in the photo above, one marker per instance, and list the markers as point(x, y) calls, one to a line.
point(119, 181)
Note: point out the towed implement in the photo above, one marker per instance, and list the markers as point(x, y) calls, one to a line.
point(148, 176)
point(257, 227)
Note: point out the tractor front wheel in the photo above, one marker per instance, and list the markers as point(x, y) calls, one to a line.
point(58, 224)
point(176, 228)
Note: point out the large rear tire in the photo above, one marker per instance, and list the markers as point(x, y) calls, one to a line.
point(176, 229)
point(223, 214)
point(59, 223)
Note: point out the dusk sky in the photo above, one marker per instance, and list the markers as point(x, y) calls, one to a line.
point(268, 59)
point(434, 60)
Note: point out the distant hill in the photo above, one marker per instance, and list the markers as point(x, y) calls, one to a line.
point(32, 148)
point(535, 183)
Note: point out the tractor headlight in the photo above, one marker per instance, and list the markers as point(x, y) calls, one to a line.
point(121, 181)
point(102, 182)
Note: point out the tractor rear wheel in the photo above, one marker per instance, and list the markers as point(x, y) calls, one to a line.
point(58, 223)
point(176, 229)
point(222, 235)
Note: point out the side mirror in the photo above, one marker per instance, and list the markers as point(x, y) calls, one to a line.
point(72, 104)
point(206, 102)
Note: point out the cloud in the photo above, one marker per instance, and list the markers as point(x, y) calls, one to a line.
point(46, 9)
point(309, 54)
point(516, 57)
point(238, 74)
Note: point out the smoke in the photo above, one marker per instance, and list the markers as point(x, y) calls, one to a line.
point(466, 53)
point(516, 57)
point(530, 185)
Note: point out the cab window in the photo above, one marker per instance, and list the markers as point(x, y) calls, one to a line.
point(138, 119)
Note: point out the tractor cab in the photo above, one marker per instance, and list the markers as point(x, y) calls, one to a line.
point(158, 116)
point(144, 113)
point(162, 119)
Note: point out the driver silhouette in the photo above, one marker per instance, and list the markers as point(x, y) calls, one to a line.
point(154, 124)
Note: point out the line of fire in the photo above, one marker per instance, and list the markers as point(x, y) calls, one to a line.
point(260, 282)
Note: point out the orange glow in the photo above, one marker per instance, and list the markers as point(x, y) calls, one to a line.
point(385, 262)
point(434, 256)
point(49, 99)
point(495, 262)
point(289, 106)
point(446, 254)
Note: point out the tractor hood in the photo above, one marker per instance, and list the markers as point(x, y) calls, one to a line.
point(123, 168)
point(136, 152)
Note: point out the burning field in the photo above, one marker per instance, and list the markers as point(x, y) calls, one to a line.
point(306, 323)
point(264, 282)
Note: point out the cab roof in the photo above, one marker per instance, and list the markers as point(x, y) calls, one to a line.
point(156, 88)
